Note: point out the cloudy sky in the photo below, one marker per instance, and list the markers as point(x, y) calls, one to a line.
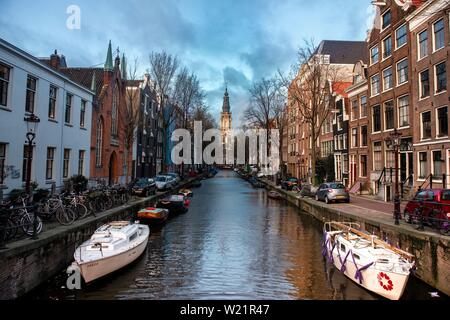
point(234, 41)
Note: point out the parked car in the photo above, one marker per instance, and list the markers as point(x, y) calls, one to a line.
point(144, 187)
point(175, 176)
point(333, 192)
point(435, 203)
point(164, 183)
point(289, 184)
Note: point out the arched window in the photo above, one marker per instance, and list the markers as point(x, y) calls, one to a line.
point(99, 143)
point(114, 111)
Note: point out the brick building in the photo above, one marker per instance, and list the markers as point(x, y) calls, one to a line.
point(429, 27)
point(358, 130)
point(390, 85)
point(340, 56)
point(109, 157)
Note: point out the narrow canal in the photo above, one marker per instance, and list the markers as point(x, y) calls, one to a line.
point(234, 243)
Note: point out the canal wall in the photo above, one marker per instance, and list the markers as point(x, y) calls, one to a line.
point(430, 249)
point(26, 264)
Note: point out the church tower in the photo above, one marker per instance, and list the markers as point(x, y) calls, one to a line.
point(226, 121)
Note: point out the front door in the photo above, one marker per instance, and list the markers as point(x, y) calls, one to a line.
point(406, 165)
point(112, 169)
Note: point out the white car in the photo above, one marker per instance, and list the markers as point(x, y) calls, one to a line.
point(164, 182)
point(175, 176)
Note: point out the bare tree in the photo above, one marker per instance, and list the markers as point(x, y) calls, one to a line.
point(309, 95)
point(132, 112)
point(187, 94)
point(163, 67)
point(266, 108)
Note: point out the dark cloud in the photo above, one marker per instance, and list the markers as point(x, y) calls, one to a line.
point(234, 40)
point(235, 78)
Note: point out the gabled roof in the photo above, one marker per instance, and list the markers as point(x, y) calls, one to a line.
point(343, 52)
point(84, 77)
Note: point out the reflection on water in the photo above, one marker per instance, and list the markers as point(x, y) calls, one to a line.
point(234, 243)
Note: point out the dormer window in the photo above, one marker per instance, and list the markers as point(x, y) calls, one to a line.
point(386, 19)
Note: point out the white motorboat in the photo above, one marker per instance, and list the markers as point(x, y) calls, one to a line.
point(366, 260)
point(112, 247)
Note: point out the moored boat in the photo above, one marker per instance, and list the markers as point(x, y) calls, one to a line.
point(153, 215)
point(371, 263)
point(187, 193)
point(175, 204)
point(112, 247)
point(274, 195)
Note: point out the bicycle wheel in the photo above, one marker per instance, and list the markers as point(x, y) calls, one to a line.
point(82, 211)
point(27, 223)
point(65, 216)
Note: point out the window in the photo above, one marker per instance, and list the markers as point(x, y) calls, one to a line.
point(99, 143)
point(376, 119)
point(375, 85)
point(437, 163)
point(389, 115)
point(377, 156)
point(50, 163)
point(66, 163)
point(400, 36)
point(31, 94)
point(2, 162)
point(363, 112)
point(390, 157)
point(114, 112)
point(27, 154)
point(4, 84)
point(386, 20)
point(364, 136)
point(81, 155)
point(387, 47)
point(52, 102)
point(439, 37)
point(441, 77)
point(374, 55)
point(426, 125)
point(345, 140)
point(425, 84)
point(83, 114)
point(388, 80)
point(402, 72)
point(423, 173)
point(403, 111)
point(363, 166)
point(340, 122)
point(68, 111)
point(442, 122)
point(423, 44)
point(355, 106)
point(354, 137)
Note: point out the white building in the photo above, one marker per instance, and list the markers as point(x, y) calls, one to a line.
point(63, 136)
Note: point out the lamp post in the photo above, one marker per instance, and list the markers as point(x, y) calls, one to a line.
point(32, 122)
point(393, 142)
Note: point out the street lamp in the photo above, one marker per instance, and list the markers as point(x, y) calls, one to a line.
point(393, 143)
point(32, 122)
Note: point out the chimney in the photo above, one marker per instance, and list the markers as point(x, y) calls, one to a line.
point(55, 61)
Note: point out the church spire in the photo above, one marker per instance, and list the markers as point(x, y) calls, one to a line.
point(124, 67)
point(226, 101)
point(109, 59)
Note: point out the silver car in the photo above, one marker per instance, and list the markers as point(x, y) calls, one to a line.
point(333, 192)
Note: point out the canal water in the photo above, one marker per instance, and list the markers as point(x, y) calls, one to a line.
point(234, 243)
